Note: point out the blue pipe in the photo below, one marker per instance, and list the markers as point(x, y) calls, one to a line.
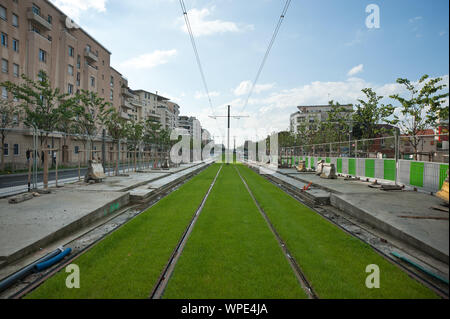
point(420, 267)
point(7, 282)
point(43, 265)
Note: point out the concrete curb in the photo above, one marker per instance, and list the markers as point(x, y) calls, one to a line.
point(86, 220)
point(364, 216)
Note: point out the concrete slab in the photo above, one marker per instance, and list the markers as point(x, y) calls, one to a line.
point(393, 213)
point(120, 183)
point(28, 226)
point(337, 186)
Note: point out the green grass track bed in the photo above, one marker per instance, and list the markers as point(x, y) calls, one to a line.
point(333, 261)
point(231, 252)
point(129, 261)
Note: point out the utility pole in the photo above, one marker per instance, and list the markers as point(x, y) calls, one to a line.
point(228, 133)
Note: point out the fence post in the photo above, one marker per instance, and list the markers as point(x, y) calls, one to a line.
point(396, 155)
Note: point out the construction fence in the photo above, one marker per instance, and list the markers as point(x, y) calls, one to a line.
point(381, 160)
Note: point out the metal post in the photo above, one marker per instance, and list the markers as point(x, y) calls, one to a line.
point(103, 150)
point(396, 142)
point(228, 133)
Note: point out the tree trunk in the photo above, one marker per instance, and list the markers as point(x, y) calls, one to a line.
point(2, 150)
point(45, 177)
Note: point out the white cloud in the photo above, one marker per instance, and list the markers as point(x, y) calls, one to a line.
point(74, 8)
point(245, 86)
point(149, 60)
point(412, 20)
point(355, 70)
point(200, 95)
point(201, 26)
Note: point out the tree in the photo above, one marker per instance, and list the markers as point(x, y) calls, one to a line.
point(369, 114)
point(116, 127)
point(337, 125)
point(91, 112)
point(422, 109)
point(9, 118)
point(134, 134)
point(44, 107)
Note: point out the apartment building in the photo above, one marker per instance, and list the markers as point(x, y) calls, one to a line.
point(312, 114)
point(191, 124)
point(35, 35)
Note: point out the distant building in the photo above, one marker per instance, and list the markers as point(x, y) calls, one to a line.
point(310, 114)
point(187, 122)
point(426, 148)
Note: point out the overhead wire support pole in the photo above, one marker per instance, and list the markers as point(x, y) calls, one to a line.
point(228, 133)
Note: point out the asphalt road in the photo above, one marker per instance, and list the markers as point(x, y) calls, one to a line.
point(22, 179)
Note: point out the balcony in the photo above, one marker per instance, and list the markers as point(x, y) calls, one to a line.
point(126, 92)
point(136, 103)
point(126, 104)
point(34, 17)
point(124, 115)
point(88, 54)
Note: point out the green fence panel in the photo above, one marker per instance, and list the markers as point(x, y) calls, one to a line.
point(442, 174)
point(369, 168)
point(293, 161)
point(351, 166)
point(328, 160)
point(312, 162)
point(306, 161)
point(389, 169)
point(416, 174)
point(339, 165)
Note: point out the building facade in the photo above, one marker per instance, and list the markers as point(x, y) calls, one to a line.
point(309, 114)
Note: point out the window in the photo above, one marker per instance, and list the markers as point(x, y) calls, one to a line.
point(70, 88)
point(34, 28)
point(6, 149)
point(15, 119)
point(70, 70)
point(78, 78)
point(71, 51)
point(16, 70)
point(4, 39)
point(103, 76)
point(4, 93)
point(36, 9)
point(92, 81)
point(111, 82)
point(16, 149)
point(42, 55)
point(4, 66)
point(88, 48)
point(15, 20)
point(78, 61)
point(49, 19)
point(111, 95)
point(15, 44)
point(3, 12)
point(77, 149)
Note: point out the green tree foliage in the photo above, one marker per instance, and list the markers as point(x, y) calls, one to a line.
point(422, 109)
point(369, 114)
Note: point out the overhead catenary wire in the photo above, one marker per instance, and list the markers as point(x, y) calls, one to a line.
point(197, 56)
point(272, 40)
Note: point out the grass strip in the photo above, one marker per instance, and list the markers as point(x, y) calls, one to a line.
point(333, 261)
point(231, 252)
point(128, 262)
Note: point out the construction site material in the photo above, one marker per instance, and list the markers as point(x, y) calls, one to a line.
point(301, 167)
point(47, 263)
point(20, 198)
point(430, 273)
point(10, 280)
point(443, 193)
point(319, 168)
point(94, 172)
point(328, 171)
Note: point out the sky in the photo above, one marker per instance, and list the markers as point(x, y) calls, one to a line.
point(324, 51)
